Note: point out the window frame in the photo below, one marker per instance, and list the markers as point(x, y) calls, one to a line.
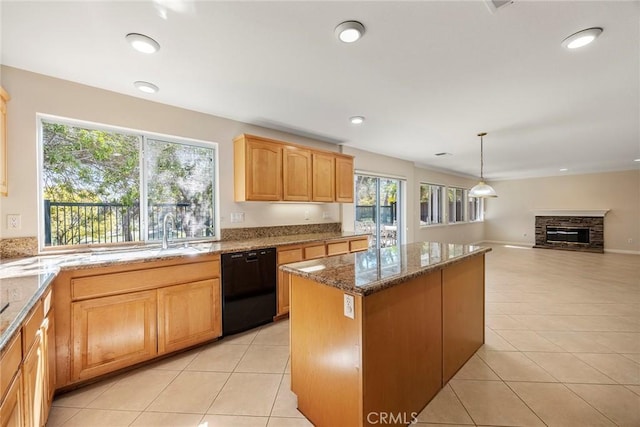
point(464, 206)
point(441, 210)
point(480, 208)
point(143, 202)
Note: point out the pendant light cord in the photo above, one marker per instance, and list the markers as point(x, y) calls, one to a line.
point(481, 158)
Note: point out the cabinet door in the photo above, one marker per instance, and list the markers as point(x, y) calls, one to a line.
point(33, 383)
point(263, 170)
point(296, 172)
point(344, 179)
point(323, 177)
point(4, 98)
point(11, 407)
point(112, 332)
point(49, 360)
point(283, 293)
point(188, 314)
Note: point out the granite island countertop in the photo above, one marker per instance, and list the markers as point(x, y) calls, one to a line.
point(364, 273)
point(24, 281)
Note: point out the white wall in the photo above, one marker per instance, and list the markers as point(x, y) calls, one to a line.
point(34, 93)
point(510, 217)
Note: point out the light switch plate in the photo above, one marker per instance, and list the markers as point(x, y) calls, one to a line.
point(237, 217)
point(349, 306)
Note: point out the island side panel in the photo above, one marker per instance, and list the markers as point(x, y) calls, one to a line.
point(402, 350)
point(462, 313)
point(325, 354)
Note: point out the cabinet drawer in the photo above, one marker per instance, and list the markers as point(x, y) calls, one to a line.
point(359, 245)
point(138, 280)
point(31, 327)
point(316, 251)
point(337, 248)
point(290, 255)
point(10, 363)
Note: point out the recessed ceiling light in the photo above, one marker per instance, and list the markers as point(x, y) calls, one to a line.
point(349, 31)
point(142, 43)
point(146, 87)
point(581, 38)
point(636, 160)
point(356, 120)
point(564, 170)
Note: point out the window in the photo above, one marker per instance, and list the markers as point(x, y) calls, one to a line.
point(476, 209)
point(456, 204)
point(106, 186)
point(431, 204)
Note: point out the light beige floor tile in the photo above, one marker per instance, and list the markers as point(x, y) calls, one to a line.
point(247, 394)
point(515, 366)
point(633, 356)
point(101, 417)
point(445, 408)
point(634, 388)
point(218, 357)
point(246, 337)
point(58, 415)
point(286, 404)
point(475, 369)
point(503, 321)
point(618, 403)
point(511, 308)
point(167, 419)
point(233, 421)
point(528, 341)
point(287, 370)
point(190, 392)
point(568, 368)
point(177, 362)
point(602, 323)
point(264, 358)
point(81, 397)
point(539, 322)
point(575, 342)
point(288, 422)
point(135, 391)
point(494, 342)
point(493, 403)
point(273, 334)
point(615, 366)
point(439, 425)
point(620, 342)
point(558, 406)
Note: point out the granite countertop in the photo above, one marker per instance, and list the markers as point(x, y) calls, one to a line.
point(365, 273)
point(24, 281)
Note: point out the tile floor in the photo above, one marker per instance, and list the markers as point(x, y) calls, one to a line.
point(562, 349)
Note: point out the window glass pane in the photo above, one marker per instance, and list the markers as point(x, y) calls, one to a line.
point(180, 181)
point(430, 204)
point(90, 185)
point(456, 204)
point(475, 209)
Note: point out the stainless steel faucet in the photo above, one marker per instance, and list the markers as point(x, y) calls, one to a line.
point(165, 232)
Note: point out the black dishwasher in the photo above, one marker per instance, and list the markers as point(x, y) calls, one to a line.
point(248, 289)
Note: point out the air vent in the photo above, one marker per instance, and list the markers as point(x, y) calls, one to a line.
point(494, 5)
point(443, 154)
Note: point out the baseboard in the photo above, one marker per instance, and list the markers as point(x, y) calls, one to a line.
point(502, 242)
point(621, 251)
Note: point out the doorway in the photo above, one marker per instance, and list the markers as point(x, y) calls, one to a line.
point(378, 209)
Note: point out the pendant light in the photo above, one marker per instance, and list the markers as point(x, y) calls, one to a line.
point(482, 189)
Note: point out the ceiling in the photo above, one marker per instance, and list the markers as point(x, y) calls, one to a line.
point(428, 76)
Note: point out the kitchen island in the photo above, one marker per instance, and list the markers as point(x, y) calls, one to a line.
point(376, 334)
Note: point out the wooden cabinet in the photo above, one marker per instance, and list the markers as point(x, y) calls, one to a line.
point(4, 98)
point(344, 179)
point(32, 384)
point(257, 169)
point(296, 174)
point(271, 170)
point(188, 314)
point(109, 318)
point(11, 407)
point(296, 253)
point(113, 332)
point(324, 177)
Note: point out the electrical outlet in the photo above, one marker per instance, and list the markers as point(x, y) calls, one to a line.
point(325, 215)
point(14, 222)
point(237, 217)
point(629, 240)
point(349, 306)
point(306, 215)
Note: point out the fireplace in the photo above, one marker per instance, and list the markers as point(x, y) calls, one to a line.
point(570, 230)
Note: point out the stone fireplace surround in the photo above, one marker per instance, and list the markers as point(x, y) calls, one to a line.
point(591, 219)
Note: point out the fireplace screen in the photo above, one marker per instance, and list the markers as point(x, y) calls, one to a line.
point(568, 235)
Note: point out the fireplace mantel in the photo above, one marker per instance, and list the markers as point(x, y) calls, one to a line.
point(571, 212)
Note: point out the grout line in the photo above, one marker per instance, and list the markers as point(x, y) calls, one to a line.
point(459, 400)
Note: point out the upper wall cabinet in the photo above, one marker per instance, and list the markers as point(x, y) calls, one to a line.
point(4, 98)
point(270, 170)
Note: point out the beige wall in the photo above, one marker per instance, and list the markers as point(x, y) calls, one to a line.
point(34, 93)
point(510, 217)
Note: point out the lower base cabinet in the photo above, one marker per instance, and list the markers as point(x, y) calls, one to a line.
point(32, 384)
point(186, 315)
point(11, 408)
point(113, 332)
